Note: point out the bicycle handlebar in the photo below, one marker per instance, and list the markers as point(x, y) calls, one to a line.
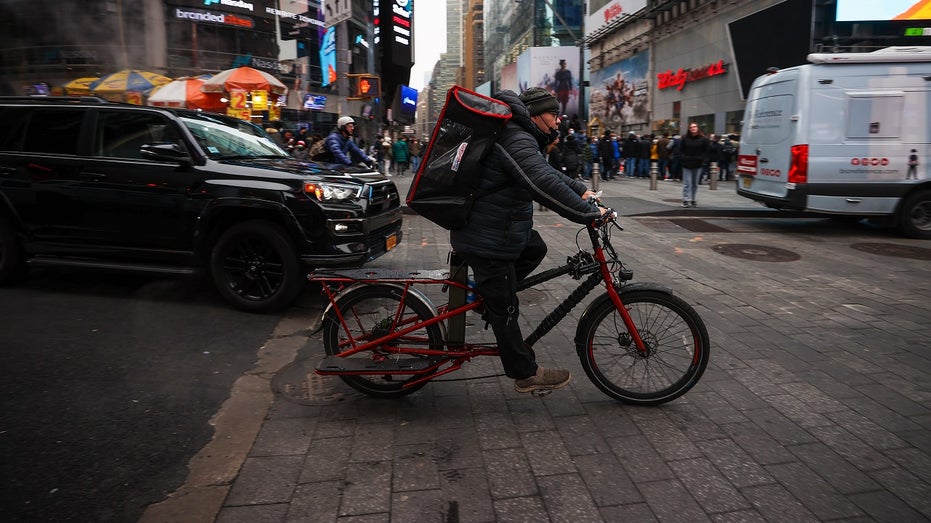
point(608, 216)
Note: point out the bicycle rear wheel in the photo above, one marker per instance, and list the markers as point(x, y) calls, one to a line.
point(371, 312)
point(675, 337)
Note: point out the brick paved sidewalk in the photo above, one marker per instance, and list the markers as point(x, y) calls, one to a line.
point(816, 406)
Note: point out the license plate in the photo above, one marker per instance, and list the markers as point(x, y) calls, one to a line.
point(391, 242)
point(746, 181)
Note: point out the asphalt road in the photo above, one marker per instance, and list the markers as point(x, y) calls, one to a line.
point(109, 384)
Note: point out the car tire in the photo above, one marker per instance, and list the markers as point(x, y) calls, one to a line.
point(915, 215)
point(12, 261)
point(255, 267)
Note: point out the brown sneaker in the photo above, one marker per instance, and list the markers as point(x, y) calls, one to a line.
point(544, 379)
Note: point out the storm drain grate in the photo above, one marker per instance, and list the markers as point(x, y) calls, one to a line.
point(680, 224)
point(693, 225)
point(894, 250)
point(298, 383)
point(747, 251)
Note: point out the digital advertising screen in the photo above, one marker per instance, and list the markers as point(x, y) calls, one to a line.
point(884, 11)
point(314, 101)
point(328, 57)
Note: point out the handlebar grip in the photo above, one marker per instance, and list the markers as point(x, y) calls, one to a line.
point(610, 215)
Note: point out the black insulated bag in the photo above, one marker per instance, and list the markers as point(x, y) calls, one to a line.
point(446, 184)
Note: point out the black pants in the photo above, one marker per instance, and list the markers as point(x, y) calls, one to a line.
point(496, 281)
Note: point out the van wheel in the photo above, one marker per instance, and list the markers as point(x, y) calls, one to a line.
point(915, 216)
point(255, 267)
point(12, 261)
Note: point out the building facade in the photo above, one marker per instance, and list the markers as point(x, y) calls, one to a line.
point(657, 65)
point(47, 44)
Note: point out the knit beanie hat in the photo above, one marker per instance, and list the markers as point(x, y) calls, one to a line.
point(539, 101)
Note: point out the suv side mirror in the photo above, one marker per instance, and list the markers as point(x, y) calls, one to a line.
point(165, 152)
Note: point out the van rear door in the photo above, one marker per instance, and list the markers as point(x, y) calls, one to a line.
point(768, 134)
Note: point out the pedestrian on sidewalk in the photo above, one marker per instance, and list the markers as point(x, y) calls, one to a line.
point(606, 152)
point(499, 242)
point(401, 154)
point(588, 158)
point(631, 152)
point(644, 147)
point(675, 158)
point(571, 152)
point(662, 153)
point(695, 149)
point(415, 148)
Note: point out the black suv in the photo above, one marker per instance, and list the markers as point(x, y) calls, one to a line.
point(92, 183)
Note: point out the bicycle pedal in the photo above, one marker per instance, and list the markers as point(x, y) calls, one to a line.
point(541, 392)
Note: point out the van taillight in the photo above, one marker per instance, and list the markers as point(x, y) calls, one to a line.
point(798, 168)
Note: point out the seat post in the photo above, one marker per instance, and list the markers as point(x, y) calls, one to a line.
point(455, 326)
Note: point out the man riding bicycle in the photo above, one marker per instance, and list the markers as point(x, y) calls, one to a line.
point(499, 242)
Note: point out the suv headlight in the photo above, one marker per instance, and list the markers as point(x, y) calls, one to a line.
point(328, 191)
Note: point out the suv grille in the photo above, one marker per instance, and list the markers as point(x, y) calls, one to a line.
point(382, 195)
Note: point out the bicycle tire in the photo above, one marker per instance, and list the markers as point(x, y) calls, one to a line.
point(675, 336)
point(369, 311)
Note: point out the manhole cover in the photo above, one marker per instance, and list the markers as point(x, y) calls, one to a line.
point(748, 251)
point(894, 250)
point(298, 383)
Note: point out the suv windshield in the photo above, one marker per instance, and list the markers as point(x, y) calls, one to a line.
point(224, 138)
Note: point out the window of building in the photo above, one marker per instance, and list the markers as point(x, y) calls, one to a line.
point(705, 123)
point(733, 121)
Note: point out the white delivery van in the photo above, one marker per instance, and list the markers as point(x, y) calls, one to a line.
point(846, 134)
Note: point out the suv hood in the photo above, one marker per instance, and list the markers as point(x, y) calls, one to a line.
point(303, 169)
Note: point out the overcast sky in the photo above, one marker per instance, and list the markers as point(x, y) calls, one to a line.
point(429, 38)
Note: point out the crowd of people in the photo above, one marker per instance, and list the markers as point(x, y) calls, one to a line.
point(681, 158)
point(676, 157)
point(396, 157)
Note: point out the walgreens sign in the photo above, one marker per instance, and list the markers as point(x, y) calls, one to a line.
point(215, 18)
point(679, 78)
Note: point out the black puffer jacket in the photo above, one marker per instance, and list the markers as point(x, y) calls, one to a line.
point(515, 173)
point(695, 150)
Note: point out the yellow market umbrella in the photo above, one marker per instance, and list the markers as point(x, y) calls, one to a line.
point(79, 86)
point(128, 80)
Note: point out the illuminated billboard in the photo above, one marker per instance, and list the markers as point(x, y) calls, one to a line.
point(328, 57)
point(621, 92)
point(554, 69)
point(404, 105)
point(605, 12)
point(885, 11)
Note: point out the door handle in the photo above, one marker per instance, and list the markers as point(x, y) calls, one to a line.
point(92, 176)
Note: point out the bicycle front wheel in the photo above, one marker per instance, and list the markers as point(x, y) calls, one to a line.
point(371, 312)
point(676, 340)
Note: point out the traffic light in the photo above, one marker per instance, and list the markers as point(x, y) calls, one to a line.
point(368, 86)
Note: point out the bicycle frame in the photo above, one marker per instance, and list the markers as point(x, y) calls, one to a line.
point(595, 265)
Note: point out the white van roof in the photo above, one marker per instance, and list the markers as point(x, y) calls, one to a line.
point(886, 55)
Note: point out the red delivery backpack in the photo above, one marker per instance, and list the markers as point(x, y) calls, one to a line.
point(446, 184)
